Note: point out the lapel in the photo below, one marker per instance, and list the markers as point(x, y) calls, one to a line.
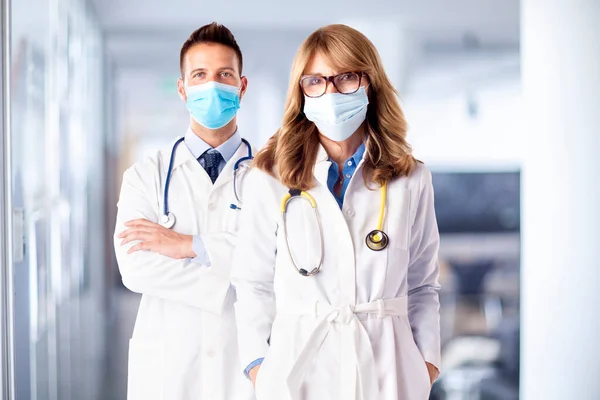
point(322, 165)
point(321, 168)
point(182, 156)
point(346, 261)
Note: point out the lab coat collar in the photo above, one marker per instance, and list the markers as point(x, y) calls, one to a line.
point(182, 155)
point(321, 168)
point(231, 146)
point(228, 150)
point(322, 154)
point(226, 174)
point(322, 165)
point(198, 146)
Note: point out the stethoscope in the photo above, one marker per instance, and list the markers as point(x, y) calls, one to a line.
point(168, 218)
point(375, 240)
point(236, 168)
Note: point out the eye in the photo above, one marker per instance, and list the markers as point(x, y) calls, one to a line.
point(199, 75)
point(315, 81)
point(226, 74)
point(348, 76)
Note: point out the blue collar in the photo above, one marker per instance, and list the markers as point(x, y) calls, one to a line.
point(357, 156)
point(197, 146)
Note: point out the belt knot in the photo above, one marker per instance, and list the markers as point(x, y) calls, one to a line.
point(343, 315)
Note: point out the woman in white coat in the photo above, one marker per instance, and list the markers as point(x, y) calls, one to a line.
point(326, 308)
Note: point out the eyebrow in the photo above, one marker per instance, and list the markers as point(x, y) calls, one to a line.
point(228, 69)
point(205, 69)
point(197, 70)
point(325, 75)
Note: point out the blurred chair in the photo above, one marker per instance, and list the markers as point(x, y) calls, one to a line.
point(501, 287)
point(481, 367)
point(466, 362)
point(472, 279)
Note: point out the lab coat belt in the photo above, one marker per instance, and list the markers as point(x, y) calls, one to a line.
point(355, 341)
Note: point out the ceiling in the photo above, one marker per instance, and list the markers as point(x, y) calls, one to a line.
point(150, 31)
point(488, 17)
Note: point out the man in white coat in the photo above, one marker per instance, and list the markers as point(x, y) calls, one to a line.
point(175, 233)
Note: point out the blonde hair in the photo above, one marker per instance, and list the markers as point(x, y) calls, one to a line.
point(291, 153)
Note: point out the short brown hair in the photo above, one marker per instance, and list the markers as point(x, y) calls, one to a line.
point(211, 33)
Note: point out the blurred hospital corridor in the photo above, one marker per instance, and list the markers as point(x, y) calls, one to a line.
point(119, 330)
point(502, 101)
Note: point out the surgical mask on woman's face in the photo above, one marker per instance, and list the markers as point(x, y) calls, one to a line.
point(337, 116)
point(213, 104)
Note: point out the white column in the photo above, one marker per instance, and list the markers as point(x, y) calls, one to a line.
point(560, 339)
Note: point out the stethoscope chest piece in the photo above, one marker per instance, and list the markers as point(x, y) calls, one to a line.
point(167, 220)
point(377, 240)
point(304, 272)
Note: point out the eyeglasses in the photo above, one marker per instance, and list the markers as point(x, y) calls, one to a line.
point(344, 83)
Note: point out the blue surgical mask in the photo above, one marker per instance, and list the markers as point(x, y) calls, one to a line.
point(337, 115)
point(213, 104)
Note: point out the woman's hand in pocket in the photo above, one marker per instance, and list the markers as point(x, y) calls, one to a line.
point(434, 373)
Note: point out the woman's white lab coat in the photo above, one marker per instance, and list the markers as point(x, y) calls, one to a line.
point(184, 342)
point(364, 326)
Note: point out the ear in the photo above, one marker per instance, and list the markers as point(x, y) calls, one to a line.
point(181, 89)
point(243, 87)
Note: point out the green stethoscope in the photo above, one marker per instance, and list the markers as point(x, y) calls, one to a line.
point(375, 240)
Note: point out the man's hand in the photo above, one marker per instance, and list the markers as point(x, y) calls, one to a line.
point(156, 238)
point(253, 372)
point(433, 372)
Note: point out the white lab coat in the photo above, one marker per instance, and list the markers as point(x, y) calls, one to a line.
point(364, 326)
point(184, 342)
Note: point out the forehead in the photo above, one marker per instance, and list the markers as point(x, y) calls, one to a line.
point(210, 56)
point(320, 65)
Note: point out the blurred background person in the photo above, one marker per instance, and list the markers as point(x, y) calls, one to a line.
point(501, 101)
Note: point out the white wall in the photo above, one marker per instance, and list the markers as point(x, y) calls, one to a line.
point(480, 129)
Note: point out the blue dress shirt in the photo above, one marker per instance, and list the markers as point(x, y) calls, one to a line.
point(348, 172)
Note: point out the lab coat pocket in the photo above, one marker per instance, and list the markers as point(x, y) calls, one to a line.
point(271, 381)
point(396, 269)
point(258, 379)
point(419, 367)
point(258, 387)
point(398, 218)
point(232, 219)
point(146, 370)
